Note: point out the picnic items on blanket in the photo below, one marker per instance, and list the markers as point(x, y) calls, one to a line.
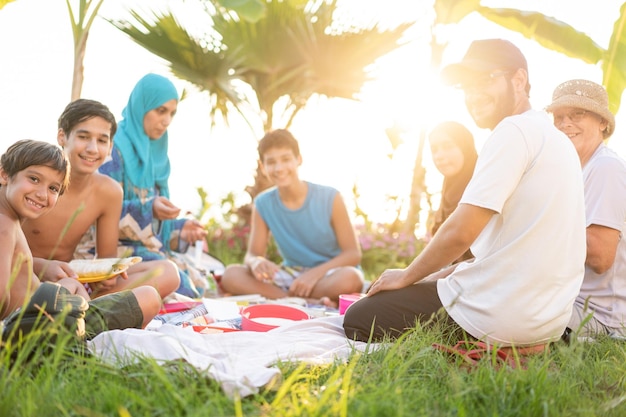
point(264, 317)
point(346, 300)
point(208, 269)
point(94, 270)
point(51, 310)
point(178, 306)
point(207, 314)
point(183, 317)
point(246, 312)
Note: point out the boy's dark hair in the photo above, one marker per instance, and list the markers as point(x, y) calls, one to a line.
point(83, 109)
point(279, 138)
point(27, 152)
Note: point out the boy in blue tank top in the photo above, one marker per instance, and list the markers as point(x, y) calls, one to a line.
point(312, 230)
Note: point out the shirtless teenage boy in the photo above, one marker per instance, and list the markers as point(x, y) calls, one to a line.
point(86, 130)
point(33, 175)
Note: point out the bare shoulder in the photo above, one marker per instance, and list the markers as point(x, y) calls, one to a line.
point(9, 231)
point(107, 187)
point(7, 223)
point(339, 206)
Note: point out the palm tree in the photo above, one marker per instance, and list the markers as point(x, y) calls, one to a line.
point(82, 18)
point(267, 69)
point(444, 11)
point(81, 21)
point(297, 49)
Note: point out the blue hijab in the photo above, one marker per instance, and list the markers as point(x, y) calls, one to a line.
point(146, 163)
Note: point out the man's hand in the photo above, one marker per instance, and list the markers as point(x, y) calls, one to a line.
point(390, 279)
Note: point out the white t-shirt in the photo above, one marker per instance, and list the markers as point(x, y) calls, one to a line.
point(530, 257)
point(604, 176)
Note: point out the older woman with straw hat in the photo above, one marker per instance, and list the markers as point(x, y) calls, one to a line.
point(580, 110)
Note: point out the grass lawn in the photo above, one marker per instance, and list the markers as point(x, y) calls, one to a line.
point(405, 378)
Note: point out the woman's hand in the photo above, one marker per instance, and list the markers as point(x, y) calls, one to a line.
point(192, 231)
point(163, 209)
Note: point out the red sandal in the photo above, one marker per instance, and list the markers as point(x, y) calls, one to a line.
point(473, 351)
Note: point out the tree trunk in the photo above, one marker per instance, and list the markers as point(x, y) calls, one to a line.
point(418, 188)
point(79, 59)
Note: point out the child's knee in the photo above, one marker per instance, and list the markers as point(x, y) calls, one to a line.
point(354, 278)
point(149, 301)
point(171, 275)
point(233, 274)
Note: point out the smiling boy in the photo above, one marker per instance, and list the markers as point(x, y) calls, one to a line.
point(33, 175)
point(312, 230)
point(85, 131)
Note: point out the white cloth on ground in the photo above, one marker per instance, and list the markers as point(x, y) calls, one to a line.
point(241, 362)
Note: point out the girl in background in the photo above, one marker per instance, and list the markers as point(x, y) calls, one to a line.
point(454, 154)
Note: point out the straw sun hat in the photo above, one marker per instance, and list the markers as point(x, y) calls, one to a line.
point(586, 95)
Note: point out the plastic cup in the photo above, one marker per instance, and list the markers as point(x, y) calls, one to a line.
point(346, 300)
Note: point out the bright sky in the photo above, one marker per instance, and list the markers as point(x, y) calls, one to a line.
point(343, 142)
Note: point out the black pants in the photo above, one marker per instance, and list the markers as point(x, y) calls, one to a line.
point(392, 313)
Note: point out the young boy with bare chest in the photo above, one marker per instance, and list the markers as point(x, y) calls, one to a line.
point(33, 175)
point(86, 131)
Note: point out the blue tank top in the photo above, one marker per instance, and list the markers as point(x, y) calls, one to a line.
point(305, 236)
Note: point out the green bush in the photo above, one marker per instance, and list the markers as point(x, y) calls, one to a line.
point(382, 245)
point(228, 231)
point(384, 248)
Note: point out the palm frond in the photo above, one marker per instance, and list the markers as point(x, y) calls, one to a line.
point(297, 49)
point(201, 62)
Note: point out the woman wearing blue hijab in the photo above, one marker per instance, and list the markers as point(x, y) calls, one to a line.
point(139, 162)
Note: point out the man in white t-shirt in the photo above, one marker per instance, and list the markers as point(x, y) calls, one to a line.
point(581, 110)
point(522, 215)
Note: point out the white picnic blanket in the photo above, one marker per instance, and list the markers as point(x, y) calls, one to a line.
point(242, 362)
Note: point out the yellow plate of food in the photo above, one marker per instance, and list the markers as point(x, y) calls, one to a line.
point(94, 270)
